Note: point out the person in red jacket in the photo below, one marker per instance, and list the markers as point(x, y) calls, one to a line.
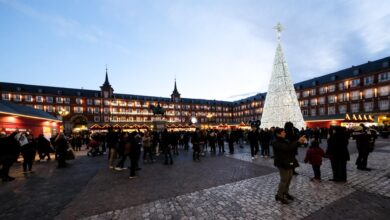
point(314, 156)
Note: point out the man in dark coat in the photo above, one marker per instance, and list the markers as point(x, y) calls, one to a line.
point(195, 139)
point(166, 146)
point(363, 141)
point(285, 161)
point(9, 153)
point(338, 154)
point(253, 138)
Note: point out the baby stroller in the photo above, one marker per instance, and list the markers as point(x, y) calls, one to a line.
point(94, 149)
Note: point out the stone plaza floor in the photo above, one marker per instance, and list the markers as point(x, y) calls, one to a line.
point(220, 186)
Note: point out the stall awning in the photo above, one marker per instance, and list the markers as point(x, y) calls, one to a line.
point(25, 111)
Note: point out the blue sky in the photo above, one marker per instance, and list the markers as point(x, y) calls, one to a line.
point(216, 49)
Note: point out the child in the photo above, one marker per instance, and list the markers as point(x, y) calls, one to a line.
point(314, 156)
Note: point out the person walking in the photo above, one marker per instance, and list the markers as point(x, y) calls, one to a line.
point(265, 139)
point(338, 153)
point(166, 147)
point(253, 138)
point(363, 142)
point(112, 139)
point(285, 161)
point(28, 153)
point(146, 143)
point(61, 149)
point(195, 140)
point(314, 156)
point(9, 153)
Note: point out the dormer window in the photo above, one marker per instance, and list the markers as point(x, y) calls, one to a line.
point(385, 64)
point(356, 72)
point(96, 94)
point(40, 90)
point(18, 89)
point(333, 78)
point(79, 93)
point(59, 92)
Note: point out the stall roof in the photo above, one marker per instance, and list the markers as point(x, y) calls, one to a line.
point(21, 110)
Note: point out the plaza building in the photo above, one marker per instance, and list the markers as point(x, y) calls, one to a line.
point(359, 94)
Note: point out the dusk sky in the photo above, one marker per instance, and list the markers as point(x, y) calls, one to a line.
point(216, 49)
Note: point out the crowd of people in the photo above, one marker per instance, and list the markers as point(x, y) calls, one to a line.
point(120, 146)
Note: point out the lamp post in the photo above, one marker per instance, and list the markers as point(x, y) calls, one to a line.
point(63, 113)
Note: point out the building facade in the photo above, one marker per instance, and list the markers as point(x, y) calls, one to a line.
point(360, 92)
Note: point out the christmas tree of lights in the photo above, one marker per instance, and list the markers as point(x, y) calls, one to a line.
point(281, 103)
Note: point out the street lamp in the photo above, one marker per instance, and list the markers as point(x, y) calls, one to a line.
point(63, 113)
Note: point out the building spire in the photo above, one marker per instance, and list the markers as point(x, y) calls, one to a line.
point(175, 92)
point(106, 83)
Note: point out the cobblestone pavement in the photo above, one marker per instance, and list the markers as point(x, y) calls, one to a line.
point(254, 198)
point(218, 187)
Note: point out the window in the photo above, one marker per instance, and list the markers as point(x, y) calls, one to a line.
point(106, 119)
point(96, 118)
point(89, 102)
point(368, 106)
point(342, 109)
point(90, 110)
point(331, 110)
point(28, 98)
point(106, 102)
point(49, 108)
point(343, 97)
point(355, 95)
point(96, 110)
point(79, 101)
point(97, 101)
point(313, 112)
point(39, 99)
point(384, 105)
point(78, 109)
point(305, 102)
point(331, 88)
point(305, 112)
point(67, 108)
point(67, 100)
point(39, 107)
point(382, 77)
point(355, 82)
point(59, 100)
point(49, 99)
point(331, 99)
point(298, 95)
point(321, 100)
point(5, 96)
point(368, 93)
point(341, 86)
point(384, 91)
point(322, 111)
point(368, 80)
point(106, 110)
point(313, 91)
point(355, 107)
point(306, 93)
point(322, 90)
point(17, 98)
point(313, 102)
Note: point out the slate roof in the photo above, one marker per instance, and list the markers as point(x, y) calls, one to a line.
point(354, 71)
point(12, 108)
